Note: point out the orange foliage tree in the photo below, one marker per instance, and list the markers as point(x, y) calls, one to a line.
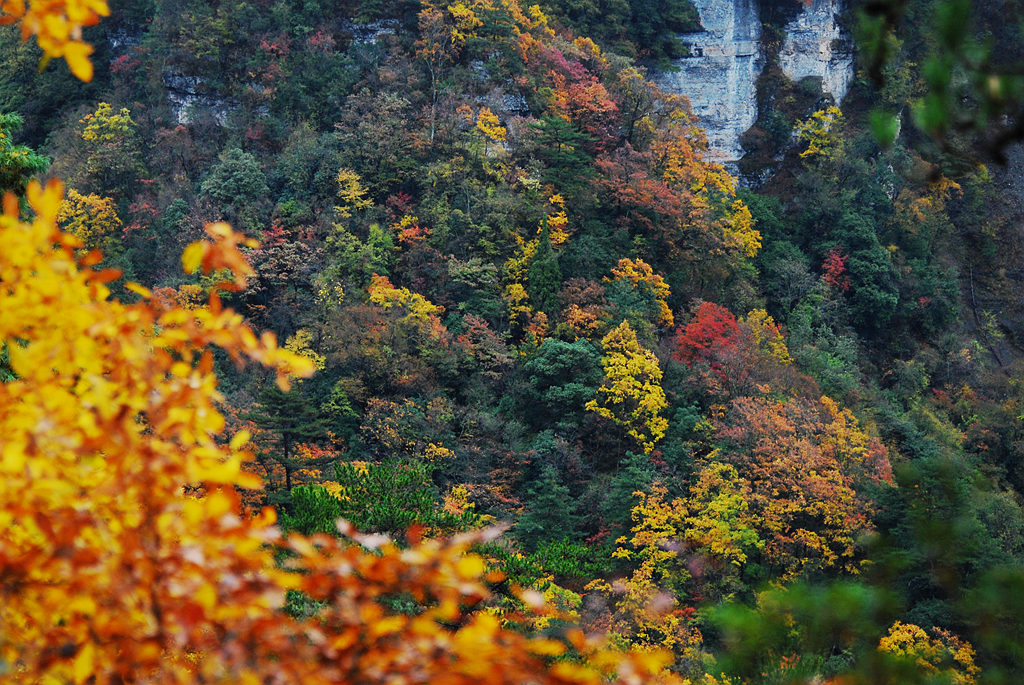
point(112, 571)
point(802, 462)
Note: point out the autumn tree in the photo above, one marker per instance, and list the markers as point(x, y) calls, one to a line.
point(113, 160)
point(806, 464)
point(937, 654)
point(631, 395)
point(651, 606)
point(731, 357)
point(821, 132)
point(443, 33)
point(712, 329)
point(90, 218)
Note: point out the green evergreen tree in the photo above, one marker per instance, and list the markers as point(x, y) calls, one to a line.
point(635, 474)
point(544, 278)
point(563, 150)
point(551, 512)
point(561, 378)
point(293, 419)
point(238, 186)
point(18, 163)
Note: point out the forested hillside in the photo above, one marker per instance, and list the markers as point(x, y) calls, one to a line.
point(738, 430)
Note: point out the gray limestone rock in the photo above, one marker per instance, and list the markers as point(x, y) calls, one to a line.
point(187, 97)
point(817, 46)
point(720, 75)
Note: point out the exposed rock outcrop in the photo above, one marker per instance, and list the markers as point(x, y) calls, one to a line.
point(817, 46)
point(188, 98)
point(720, 74)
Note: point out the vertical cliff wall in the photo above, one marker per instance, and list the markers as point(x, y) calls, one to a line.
point(720, 74)
point(816, 45)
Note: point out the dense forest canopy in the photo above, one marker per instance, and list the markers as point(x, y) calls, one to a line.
point(588, 408)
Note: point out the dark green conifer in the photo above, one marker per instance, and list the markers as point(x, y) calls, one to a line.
point(18, 163)
point(292, 419)
point(544, 278)
point(551, 512)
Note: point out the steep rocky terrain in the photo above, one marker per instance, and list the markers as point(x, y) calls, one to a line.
point(726, 59)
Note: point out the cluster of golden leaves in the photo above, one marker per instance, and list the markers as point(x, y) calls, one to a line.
point(111, 572)
point(57, 26)
point(107, 569)
point(937, 652)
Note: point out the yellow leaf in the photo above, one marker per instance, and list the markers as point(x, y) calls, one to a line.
point(384, 626)
point(546, 647)
point(82, 605)
point(206, 596)
point(84, 661)
point(77, 56)
point(240, 439)
point(470, 566)
point(138, 289)
point(192, 257)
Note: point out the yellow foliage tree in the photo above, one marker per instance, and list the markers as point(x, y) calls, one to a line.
point(822, 133)
point(766, 335)
point(90, 218)
point(111, 572)
point(103, 125)
point(418, 309)
point(301, 344)
point(352, 194)
point(631, 394)
point(944, 655)
point(487, 123)
point(713, 524)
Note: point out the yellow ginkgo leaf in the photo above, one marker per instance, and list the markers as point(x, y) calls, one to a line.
point(77, 55)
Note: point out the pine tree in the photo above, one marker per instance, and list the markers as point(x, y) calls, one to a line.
point(544, 278)
point(551, 512)
point(293, 419)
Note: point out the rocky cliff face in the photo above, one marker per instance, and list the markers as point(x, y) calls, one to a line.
point(727, 57)
point(188, 98)
point(816, 46)
point(720, 75)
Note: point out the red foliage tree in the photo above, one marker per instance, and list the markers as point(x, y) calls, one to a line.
point(834, 270)
point(713, 329)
